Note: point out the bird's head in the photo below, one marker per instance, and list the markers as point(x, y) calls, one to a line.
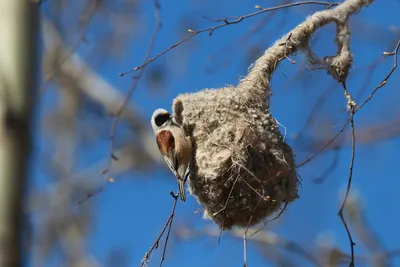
point(160, 119)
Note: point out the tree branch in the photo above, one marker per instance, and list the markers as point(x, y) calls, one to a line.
point(297, 40)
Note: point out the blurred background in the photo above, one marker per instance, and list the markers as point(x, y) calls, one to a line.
point(87, 206)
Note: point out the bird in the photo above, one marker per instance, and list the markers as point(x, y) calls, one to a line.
point(174, 145)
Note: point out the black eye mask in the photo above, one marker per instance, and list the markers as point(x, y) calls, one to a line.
point(160, 119)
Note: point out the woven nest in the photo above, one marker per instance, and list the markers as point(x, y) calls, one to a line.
point(242, 169)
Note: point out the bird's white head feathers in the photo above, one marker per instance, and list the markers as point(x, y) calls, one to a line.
point(160, 118)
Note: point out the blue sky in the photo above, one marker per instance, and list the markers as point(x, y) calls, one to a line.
point(130, 213)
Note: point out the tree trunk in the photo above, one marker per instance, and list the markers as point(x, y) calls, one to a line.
point(18, 38)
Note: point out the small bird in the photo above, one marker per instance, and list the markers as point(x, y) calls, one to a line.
point(174, 145)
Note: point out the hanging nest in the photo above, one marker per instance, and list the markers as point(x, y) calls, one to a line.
point(242, 170)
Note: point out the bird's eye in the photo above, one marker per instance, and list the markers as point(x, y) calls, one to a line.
point(160, 119)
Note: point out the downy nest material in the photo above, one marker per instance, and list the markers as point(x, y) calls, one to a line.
point(242, 170)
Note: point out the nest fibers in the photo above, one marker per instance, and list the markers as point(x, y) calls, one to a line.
point(242, 170)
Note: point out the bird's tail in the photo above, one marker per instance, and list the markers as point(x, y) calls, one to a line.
point(181, 188)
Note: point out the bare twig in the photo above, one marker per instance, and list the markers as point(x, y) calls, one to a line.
point(134, 83)
point(351, 106)
point(168, 224)
point(273, 219)
point(356, 109)
point(318, 104)
point(353, 110)
point(91, 194)
point(322, 178)
point(244, 39)
point(326, 145)
point(225, 22)
point(169, 227)
point(364, 232)
point(264, 238)
point(85, 20)
point(227, 199)
point(245, 234)
point(384, 81)
point(371, 69)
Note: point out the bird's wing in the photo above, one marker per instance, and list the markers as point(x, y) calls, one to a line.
point(166, 144)
point(186, 174)
point(172, 165)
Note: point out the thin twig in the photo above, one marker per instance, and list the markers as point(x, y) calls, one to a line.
point(243, 40)
point(326, 145)
point(270, 238)
point(168, 224)
point(273, 219)
point(91, 194)
point(384, 81)
point(322, 98)
point(356, 109)
point(353, 108)
point(317, 105)
point(225, 22)
point(169, 227)
point(371, 69)
point(324, 175)
point(134, 83)
point(353, 148)
point(227, 199)
point(85, 20)
point(245, 233)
